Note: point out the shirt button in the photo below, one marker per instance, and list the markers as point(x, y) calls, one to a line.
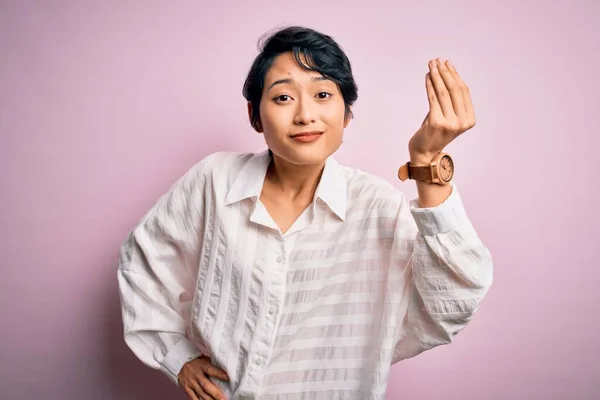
point(259, 361)
point(279, 259)
point(272, 310)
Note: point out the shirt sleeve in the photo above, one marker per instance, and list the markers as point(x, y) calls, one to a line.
point(449, 272)
point(157, 276)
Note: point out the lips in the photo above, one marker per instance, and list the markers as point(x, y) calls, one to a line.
point(306, 137)
point(306, 134)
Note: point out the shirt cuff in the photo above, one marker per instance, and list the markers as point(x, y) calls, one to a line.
point(443, 218)
point(176, 358)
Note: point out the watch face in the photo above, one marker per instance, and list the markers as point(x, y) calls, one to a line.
point(446, 169)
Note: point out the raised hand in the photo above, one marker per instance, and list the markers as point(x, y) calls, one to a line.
point(450, 112)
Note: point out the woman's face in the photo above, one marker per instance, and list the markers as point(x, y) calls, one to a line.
point(301, 113)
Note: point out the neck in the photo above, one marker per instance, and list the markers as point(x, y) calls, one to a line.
point(294, 182)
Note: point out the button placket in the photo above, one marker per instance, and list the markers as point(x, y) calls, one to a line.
point(274, 288)
point(262, 353)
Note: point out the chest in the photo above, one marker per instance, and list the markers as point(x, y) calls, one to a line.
point(284, 213)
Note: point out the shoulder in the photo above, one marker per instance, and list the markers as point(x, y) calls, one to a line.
point(202, 177)
point(216, 165)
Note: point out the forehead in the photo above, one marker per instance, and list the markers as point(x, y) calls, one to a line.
point(285, 66)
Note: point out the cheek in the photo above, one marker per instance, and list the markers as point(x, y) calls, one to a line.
point(273, 116)
point(339, 108)
point(336, 116)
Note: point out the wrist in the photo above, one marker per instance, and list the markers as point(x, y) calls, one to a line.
point(421, 159)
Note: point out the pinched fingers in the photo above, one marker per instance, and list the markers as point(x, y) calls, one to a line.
point(451, 108)
point(442, 94)
point(466, 94)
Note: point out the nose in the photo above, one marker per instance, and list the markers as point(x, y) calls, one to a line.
point(305, 115)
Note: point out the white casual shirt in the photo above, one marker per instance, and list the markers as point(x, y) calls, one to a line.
point(362, 279)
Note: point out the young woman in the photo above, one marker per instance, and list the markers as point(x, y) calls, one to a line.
point(284, 275)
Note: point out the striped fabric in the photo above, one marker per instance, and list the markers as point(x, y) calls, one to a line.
point(364, 278)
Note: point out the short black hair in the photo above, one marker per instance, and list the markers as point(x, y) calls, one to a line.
point(321, 54)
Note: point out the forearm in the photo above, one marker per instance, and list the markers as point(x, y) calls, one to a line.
point(154, 328)
point(156, 289)
point(452, 268)
point(452, 273)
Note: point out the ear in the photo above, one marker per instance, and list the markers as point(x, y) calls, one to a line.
point(347, 120)
point(258, 126)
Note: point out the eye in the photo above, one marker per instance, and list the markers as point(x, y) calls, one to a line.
point(323, 95)
point(282, 98)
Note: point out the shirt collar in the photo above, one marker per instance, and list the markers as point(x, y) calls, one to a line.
point(332, 188)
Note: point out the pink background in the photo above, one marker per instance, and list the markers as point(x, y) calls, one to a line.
point(103, 104)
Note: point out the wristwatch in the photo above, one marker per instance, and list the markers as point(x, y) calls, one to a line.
point(440, 170)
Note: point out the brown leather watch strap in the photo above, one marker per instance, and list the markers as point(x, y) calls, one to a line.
point(422, 173)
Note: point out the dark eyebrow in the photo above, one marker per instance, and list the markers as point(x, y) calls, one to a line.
point(282, 81)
